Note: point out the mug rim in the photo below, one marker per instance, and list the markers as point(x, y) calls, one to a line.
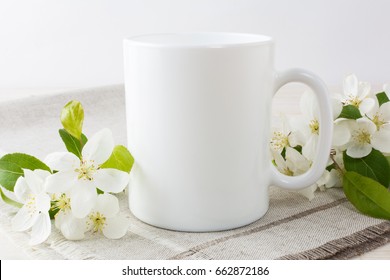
point(198, 40)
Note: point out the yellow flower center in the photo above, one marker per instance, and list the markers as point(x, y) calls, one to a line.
point(279, 141)
point(361, 136)
point(378, 121)
point(96, 221)
point(31, 204)
point(86, 170)
point(63, 203)
point(287, 171)
point(314, 126)
point(353, 101)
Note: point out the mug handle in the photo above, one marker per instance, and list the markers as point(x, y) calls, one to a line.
point(325, 133)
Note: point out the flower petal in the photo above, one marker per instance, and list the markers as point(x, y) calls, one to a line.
point(309, 105)
point(308, 192)
point(310, 148)
point(381, 141)
point(60, 217)
point(42, 202)
point(111, 180)
point(60, 182)
point(363, 89)
point(366, 124)
point(107, 204)
point(350, 85)
point(43, 174)
point(384, 111)
point(21, 189)
point(116, 227)
point(341, 133)
point(359, 151)
point(73, 228)
point(82, 199)
point(366, 105)
point(296, 162)
point(335, 179)
point(279, 161)
point(24, 219)
point(295, 139)
point(34, 181)
point(63, 161)
point(323, 179)
point(41, 229)
point(99, 147)
point(337, 107)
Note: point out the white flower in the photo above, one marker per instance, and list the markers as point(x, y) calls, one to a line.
point(308, 124)
point(337, 107)
point(295, 164)
point(30, 191)
point(283, 137)
point(380, 116)
point(341, 133)
point(330, 179)
point(364, 137)
point(357, 94)
point(103, 218)
point(72, 228)
point(80, 178)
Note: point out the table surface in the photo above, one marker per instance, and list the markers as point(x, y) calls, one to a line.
point(285, 101)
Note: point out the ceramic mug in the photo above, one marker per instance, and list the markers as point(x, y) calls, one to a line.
point(198, 121)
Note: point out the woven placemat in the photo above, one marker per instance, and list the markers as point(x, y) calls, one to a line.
point(327, 227)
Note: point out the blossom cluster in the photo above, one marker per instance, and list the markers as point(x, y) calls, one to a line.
point(75, 188)
point(361, 124)
point(70, 193)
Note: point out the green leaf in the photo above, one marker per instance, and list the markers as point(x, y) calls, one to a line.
point(330, 167)
point(9, 201)
point(120, 159)
point(25, 161)
point(72, 118)
point(298, 148)
point(382, 98)
point(9, 173)
point(72, 144)
point(367, 195)
point(53, 213)
point(374, 166)
point(388, 160)
point(283, 153)
point(350, 112)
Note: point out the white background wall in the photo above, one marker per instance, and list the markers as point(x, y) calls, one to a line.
point(78, 43)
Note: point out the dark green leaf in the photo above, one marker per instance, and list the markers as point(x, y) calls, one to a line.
point(374, 166)
point(25, 161)
point(298, 148)
point(367, 195)
point(53, 213)
point(350, 112)
point(330, 167)
point(72, 144)
point(120, 159)
point(283, 153)
point(9, 201)
point(72, 118)
point(9, 174)
point(382, 98)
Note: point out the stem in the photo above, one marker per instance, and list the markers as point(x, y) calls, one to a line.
point(337, 166)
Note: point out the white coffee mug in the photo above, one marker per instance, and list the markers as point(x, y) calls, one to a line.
point(198, 121)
